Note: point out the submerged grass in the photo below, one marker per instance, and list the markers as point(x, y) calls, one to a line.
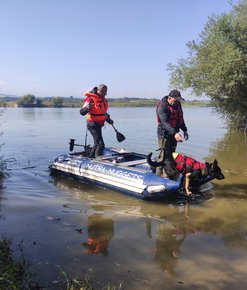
point(77, 283)
point(85, 283)
point(14, 274)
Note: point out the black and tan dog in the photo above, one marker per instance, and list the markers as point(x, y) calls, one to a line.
point(191, 169)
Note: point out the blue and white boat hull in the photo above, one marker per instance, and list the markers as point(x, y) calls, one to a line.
point(125, 172)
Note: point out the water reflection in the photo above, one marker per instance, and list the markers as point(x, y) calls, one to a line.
point(231, 152)
point(203, 244)
point(184, 222)
point(167, 249)
point(100, 231)
point(169, 226)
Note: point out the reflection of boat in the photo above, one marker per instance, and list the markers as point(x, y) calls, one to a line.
point(126, 172)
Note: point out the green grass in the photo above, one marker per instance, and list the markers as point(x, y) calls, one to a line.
point(14, 274)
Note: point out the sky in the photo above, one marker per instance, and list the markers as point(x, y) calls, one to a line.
point(65, 47)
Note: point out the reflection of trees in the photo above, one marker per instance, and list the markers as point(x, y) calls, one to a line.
point(222, 223)
point(2, 167)
point(230, 227)
point(222, 220)
point(231, 152)
point(171, 234)
point(100, 232)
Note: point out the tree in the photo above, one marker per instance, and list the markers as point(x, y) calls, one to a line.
point(39, 102)
point(26, 101)
point(57, 101)
point(217, 64)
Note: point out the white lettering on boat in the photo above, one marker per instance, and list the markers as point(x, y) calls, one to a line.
point(115, 172)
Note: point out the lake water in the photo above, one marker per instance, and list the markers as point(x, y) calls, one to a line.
point(119, 240)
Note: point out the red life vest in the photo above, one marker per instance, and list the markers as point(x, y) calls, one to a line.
point(96, 247)
point(186, 164)
point(98, 111)
point(176, 115)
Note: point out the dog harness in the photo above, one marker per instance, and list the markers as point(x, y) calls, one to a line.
point(185, 164)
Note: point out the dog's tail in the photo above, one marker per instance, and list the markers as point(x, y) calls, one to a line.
point(153, 163)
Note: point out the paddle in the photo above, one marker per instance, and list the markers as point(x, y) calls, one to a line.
point(120, 137)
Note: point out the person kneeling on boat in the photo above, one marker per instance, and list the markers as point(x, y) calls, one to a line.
point(95, 107)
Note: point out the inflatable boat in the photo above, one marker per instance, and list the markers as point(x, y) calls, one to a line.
point(119, 170)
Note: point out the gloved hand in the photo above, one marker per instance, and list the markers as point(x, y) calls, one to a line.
point(107, 115)
point(83, 111)
point(109, 121)
point(186, 135)
point(89, 106)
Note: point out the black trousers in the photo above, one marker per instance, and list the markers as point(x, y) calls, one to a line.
point(167, 146)
point(96, 131)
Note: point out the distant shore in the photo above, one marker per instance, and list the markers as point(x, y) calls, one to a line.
point(72, 102)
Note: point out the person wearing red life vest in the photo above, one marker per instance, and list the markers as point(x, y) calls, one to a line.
point(95, 107)
point(170, 120)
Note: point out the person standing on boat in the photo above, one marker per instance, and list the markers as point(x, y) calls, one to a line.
point(95, 107)
point(170, 120)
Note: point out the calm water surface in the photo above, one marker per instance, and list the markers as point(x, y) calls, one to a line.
point(136, 244)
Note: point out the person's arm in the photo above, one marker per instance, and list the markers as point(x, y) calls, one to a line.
point(182, 126)
point(86, 106)
point(184, 129)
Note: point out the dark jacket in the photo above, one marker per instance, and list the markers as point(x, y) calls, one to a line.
point(163, 114)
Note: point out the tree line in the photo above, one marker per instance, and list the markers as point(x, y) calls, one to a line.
point(29, 101)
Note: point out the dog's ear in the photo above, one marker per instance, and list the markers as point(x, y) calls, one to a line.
point(215, 163)
point(216, 171)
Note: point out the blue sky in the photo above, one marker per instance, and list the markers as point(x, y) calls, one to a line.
point(64, 47)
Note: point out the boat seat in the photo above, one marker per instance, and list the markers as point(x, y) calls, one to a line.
point(134, 162)
point(102, 157)
point(106, 157)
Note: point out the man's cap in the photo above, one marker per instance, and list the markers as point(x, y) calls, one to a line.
point(176, 95)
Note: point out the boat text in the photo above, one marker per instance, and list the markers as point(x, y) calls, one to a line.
point(115, 172)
